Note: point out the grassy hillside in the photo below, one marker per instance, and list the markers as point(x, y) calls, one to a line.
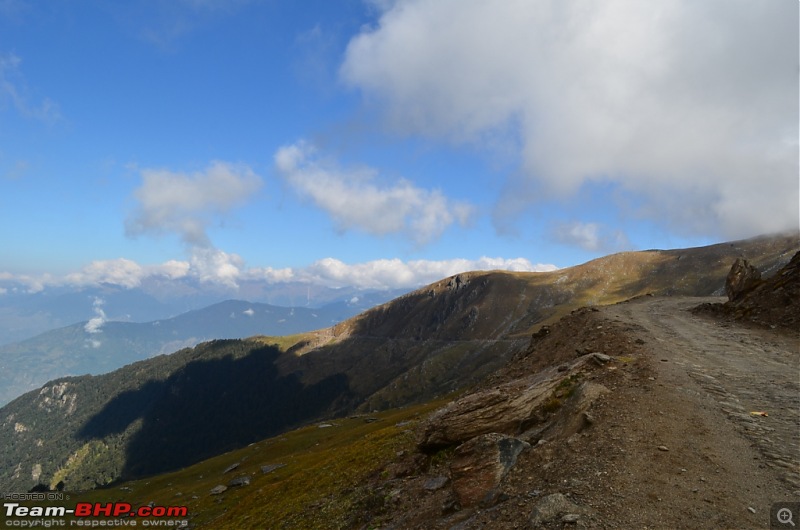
point(171, 411)
point(316, 476)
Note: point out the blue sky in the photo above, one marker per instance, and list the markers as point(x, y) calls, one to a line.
point(385, 143)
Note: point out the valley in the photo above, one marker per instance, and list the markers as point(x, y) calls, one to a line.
point(612, 391)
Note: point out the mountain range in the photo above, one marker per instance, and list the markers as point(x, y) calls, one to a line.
point(99, 345)
point(171, 411)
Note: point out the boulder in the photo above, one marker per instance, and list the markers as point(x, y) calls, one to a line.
point(219, 490)
point(510, 408)
point(741, 278)
point(479, 466)
point(503, 409)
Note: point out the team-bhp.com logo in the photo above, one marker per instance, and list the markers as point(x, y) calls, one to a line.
point(90, 514)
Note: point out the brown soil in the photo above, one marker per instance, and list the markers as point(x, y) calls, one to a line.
point(673, 445)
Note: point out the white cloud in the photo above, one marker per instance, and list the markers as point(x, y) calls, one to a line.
point(185, 204)
point(31, 284)
point(249, 312)
point(689, 106)
point(593, 237)
point(172, 269)
point(354, 199)
point(95, 324)
point(211, 265)
point(121, 271)
point(13, 89)
point(394, 273)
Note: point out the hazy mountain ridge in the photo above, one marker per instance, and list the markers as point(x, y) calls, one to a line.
point(99, 346)
point(426, 343)
point(25, 314)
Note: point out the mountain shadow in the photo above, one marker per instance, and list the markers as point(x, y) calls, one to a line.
point(209, 407)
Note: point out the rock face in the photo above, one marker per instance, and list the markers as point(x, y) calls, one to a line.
point(479, 466)
point(741, 278)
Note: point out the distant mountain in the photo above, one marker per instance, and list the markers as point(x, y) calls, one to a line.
point(97, 346)
point(25, 314)
point(170, 411)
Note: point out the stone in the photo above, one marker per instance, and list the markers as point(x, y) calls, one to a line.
point(271, 467)
point(406, 466)
point(435, 483)
point(219, 490)
point(479, 466)
point(741, 278)
point(553, 507)
point(244, 480)
point(600, 358)
point(231, 468)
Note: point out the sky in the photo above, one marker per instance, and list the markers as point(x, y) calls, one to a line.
point(385, 144)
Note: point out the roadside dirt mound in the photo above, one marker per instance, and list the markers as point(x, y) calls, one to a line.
point(647, 424)
point(774, 302)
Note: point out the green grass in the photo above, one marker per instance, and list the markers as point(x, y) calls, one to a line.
point(321, 486)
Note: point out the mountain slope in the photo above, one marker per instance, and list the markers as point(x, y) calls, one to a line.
point(169, 411)
point(85, 349)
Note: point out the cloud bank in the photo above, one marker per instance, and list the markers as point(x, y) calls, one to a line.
point(690, 107)
point(390, 273)
point(355, 200)
point(228, 271)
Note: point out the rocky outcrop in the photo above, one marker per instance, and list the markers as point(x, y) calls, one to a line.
point(479, 466)
point(773, 301)
point(741, 278)
point(511, 408)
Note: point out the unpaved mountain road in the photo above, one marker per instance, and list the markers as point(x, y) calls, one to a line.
point(707, 378)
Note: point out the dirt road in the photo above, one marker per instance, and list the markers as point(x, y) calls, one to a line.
point(724, 465)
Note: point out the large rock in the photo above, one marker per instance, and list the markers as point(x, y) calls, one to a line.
point(510, 408)
point(479, 466)
point(741, 278)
